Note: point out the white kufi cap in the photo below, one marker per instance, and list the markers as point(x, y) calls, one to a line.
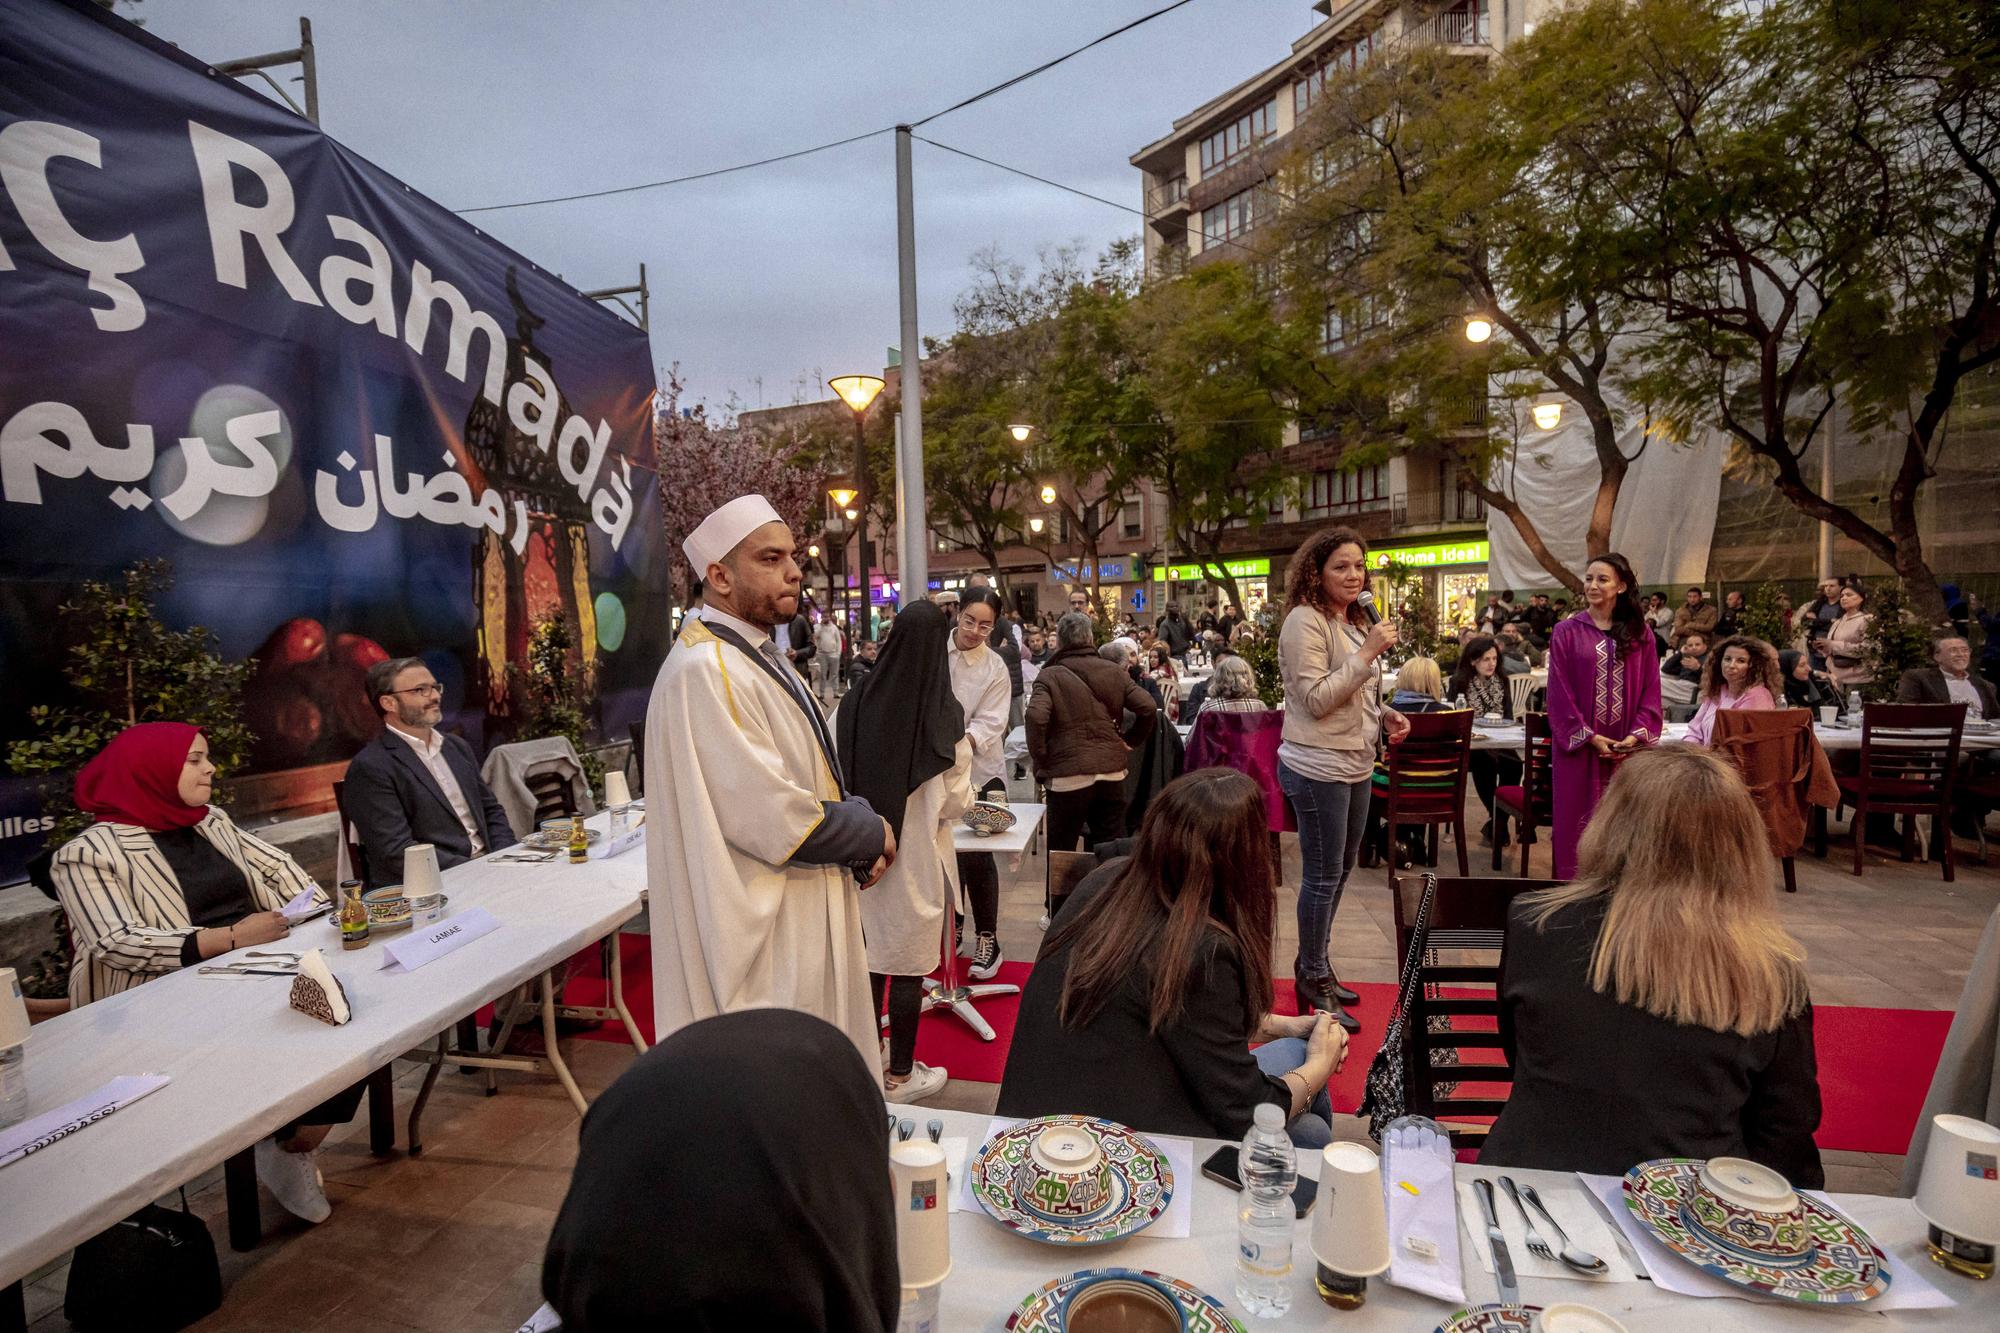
point(720, 531)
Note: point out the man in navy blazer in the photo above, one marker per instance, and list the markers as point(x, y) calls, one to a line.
point(414, 784)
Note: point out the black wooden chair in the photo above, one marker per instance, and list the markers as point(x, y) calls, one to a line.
point(1426, 772)
point(1455, 1008)
point(1909, 761)
point(1531, 804)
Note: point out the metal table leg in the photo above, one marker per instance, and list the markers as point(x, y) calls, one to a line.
point(951, 994)
point(555, 1055)
point(615, 983)
point(382, 1111)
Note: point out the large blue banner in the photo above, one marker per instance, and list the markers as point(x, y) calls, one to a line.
point(355, 425)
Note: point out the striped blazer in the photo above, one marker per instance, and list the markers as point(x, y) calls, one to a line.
point(126, 908)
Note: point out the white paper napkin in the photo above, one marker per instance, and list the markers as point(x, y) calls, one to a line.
point(1908, 1288)
point(1177, 1223)
point(1585, 1226)
point(1417, 1167)
point(301, 905)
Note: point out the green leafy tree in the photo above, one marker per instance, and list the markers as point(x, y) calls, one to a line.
point(1215, 372)
point(1762, 616)
point(561, 692)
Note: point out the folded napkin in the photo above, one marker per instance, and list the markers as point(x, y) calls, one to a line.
point(1586, 1227)
point(1423, 1223)
point(316, 991)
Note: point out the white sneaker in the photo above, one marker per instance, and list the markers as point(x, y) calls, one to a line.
point(924, 1081)
point(294, 1180)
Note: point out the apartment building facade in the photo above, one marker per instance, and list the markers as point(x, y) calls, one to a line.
point(1205, 189)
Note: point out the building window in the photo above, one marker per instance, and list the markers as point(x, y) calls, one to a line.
point(1239, 136)
point(1352, 56)
point(1235, 215)
point(1332, 329)
point(1351, 491)
point(1129, 520)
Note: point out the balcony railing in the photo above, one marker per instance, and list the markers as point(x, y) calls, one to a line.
point(1167, 197)
point(1454, 27)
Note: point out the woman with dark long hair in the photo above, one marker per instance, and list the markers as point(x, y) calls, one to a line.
point(1604, 697)
point(1157, 977)
point(1482, 683)
point(1328, 650)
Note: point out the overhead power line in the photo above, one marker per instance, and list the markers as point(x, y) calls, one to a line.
point(677, 180)
point(1042, 68)
point(1048, 65)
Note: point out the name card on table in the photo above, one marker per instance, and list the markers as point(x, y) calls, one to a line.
point(427, 946)
point(624, 842)
point(34, 1134)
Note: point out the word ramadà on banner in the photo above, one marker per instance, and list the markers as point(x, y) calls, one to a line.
point(359, 290)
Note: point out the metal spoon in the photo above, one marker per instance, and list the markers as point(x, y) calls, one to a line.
point(935, 1129)
point(255, 954)
point(904, 1129)
point(1583, 1261)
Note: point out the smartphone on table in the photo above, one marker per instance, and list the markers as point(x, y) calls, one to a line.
point(1221, 1167)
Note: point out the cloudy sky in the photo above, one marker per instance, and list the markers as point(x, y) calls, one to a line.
point(766, 280)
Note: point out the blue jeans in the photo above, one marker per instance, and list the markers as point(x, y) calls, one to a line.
point(1313, 1129)
point(1333, 819)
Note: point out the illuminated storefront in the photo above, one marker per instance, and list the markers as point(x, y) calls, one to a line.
point(1453, 574)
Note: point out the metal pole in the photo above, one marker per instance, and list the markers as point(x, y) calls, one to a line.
point(913, 554)
point(1826, 493)
point(867, 630)
point(310, 67)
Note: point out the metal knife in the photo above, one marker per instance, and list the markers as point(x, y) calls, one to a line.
point(1503, 1263)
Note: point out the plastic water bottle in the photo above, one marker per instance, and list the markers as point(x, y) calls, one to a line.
point(1854, 706)
point(1269, 1166)
point(13, 1086)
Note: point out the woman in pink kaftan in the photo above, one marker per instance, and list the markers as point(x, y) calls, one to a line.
point(1604, 697)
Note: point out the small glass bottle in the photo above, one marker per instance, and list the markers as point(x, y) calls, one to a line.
point(579, 843)
point(353, 915)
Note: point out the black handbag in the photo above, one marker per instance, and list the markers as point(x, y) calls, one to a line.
point(1384, 1097)
point(154, 1272)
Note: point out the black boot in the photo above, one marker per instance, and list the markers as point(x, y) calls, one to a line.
point(1340, 992)
point(1345, 1019)
point(1312, 997)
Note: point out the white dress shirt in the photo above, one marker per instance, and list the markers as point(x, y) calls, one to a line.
point(980, 684)
point(432, 753)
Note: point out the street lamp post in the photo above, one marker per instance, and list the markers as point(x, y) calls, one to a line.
point(858, 392)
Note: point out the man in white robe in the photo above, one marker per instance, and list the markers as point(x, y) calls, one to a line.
point(755, 855)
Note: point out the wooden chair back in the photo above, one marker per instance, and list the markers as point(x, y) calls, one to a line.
point(1909, 756)
point(1455, 1008)
point(1538, 769)
point(553, 797)
point(350, 836)
point(1426, 770)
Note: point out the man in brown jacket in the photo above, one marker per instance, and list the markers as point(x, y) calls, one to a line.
point(1078, 739)
point(1696, 617)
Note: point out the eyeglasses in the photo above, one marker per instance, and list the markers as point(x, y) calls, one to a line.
point(433, 689)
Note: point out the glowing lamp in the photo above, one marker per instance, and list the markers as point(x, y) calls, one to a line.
point(1548, 415)
point(1048, 495)
point(857, 391)
point(1477, 329)
point(1020, 432)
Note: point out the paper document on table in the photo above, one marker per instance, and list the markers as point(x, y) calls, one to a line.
point(1177, 1223)
point(38, 1132)
point(1585, 1227)
point(301, 906)
point(1908, 1288)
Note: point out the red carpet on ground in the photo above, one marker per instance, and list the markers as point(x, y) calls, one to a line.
point(1874, 1064)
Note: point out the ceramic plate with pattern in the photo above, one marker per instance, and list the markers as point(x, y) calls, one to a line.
point(1042, 1312)
point(1491, 1319)
point(1843, 1266)
point(1142, 1182)
point(559, 842)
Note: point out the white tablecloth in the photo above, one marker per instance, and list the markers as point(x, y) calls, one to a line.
point(243, 1063)
point(993, 1270)
point(1831, 739)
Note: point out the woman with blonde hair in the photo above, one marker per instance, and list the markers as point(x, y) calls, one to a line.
point(1656, 1006)
point(1742, 672)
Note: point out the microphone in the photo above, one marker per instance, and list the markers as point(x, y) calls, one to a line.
point(1368, 608)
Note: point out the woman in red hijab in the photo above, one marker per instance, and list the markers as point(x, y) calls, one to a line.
point(164, 880)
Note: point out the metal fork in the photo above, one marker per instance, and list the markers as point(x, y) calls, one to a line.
point(1536, 1245)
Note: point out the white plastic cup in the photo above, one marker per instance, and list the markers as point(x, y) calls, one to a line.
point(1827, 713)
point(923, 1212)
point(421, 878)
point(616, 793)
point(1350, 1227)
point(1959, 1190)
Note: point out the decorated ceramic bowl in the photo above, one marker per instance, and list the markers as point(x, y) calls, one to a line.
point(1749, 1209)
point(986, 818)
point(1748, 1247)
point(1012, 1178)
point(1491, 1319)
point(386, 906)
point(1064, 1175)
point(1046, 1310)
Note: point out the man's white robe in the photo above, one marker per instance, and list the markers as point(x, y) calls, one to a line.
point(735, 778)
